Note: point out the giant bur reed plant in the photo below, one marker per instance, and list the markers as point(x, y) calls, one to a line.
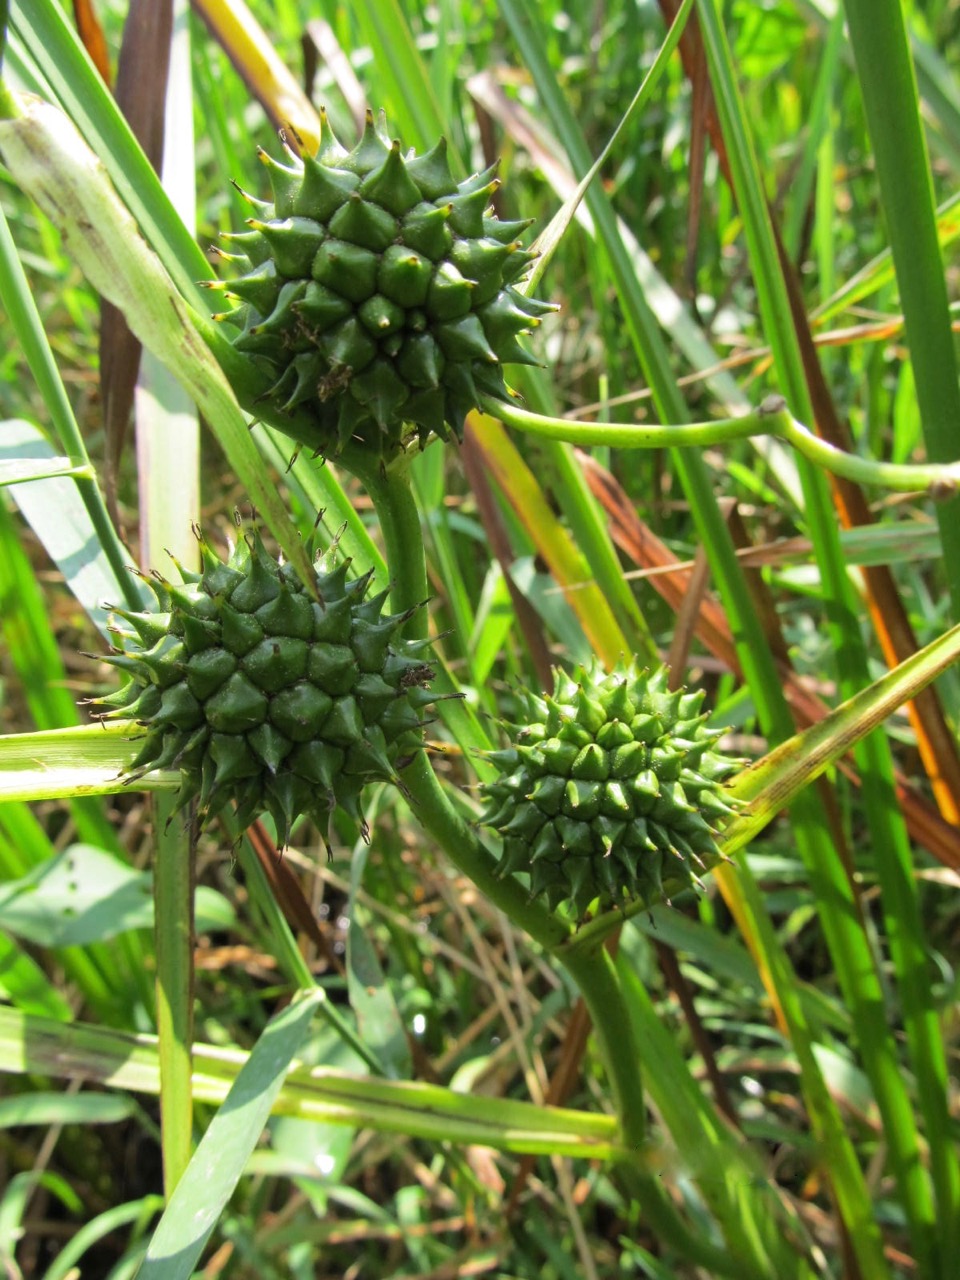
point(380, 299)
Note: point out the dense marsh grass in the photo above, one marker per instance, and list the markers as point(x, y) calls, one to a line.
point(754, 1079)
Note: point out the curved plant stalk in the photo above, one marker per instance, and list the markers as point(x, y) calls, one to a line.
point(772, 418)
point(589, 966)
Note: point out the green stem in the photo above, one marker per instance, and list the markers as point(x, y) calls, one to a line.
point(399, 519)
point(173, 897)
point(593, 971)
point(771, 419)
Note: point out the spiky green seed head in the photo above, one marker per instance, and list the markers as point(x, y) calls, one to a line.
point(279, 699)
point(611, 789)
point(379, 294)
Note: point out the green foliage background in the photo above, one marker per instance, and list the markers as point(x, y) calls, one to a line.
point(796, 1021)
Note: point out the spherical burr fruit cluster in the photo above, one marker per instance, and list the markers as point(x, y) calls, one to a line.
point(267, 694)
point(610, 790)
point(379, 293)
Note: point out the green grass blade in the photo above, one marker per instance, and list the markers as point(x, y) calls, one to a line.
point(17, 300)
point(23, 470)
point(60, 518)
point(415, 109)
point(61, 59)
point(772, 781)
point(24, 983)
point(752, 1220)
point(888, 85)
point(38, 1045)
point(111, 979)
point(136, 1212)
point(888, 830)
point(59, 763)
point(55, 167)
point(217, 1166)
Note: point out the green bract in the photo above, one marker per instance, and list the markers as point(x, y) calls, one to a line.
point(260, 692)
point(611, 789)
point(379, 294)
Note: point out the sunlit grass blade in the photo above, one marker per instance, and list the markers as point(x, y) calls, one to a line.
point(218, 1163)
point(319, 1093)
point(54, 165)
point(552, 540)
point(730, 1183)
point(548, 240)
point(25, 985)
point(888, 832)
point(23, 470)
point(888, 85)
point(768, 785)
point(28, 328)
point(250, 50)
point(86, 761)
point(879, 272)
point(60, 518)
point(413, 103)
point(52, 44)
point(136, 1213)
point(111, 977)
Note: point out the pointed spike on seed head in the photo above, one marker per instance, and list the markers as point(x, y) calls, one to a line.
point(426, 229)
point(330, 150)
point(323, 189)
point(362, 222)
point(515, 857)
point(466, 216)
point(391, 186)
point(511, 352)
point(589, 712)
point(382, 391)
point(222, 254)
point(251, 200)
point(465, 340)
point(284, 182)
point(370, 151)
point(258, 287)
point(505, 232)
point(431, 171)
point(150, 627)
point(579, 876)
point(252, 244)
point(486, 180)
